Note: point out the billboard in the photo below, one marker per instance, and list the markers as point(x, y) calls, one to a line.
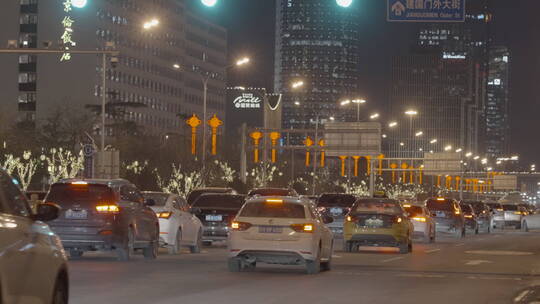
point(244, 105)
point(505, 182)
point(442, 163)
point(426, 11)
point(352, 138)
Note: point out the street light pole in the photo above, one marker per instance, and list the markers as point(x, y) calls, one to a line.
point(315, 153)
point(205, 94)
point(103, 99)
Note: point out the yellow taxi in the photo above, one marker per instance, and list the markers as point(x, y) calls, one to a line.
point(377, 222)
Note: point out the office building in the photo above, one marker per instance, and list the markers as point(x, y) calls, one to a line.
point(154, 82)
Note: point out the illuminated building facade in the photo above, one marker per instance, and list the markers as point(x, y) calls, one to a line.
point(156, 80)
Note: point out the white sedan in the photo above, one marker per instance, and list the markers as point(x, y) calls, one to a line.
point(33, 264)
point(280, 230)
point(178, 227)
point(531, 221)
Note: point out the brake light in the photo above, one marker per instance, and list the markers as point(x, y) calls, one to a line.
point(350, 218)
point(164, 215)
point(79, 183)
point(109, 208)
point(274, 200)
point(468, 216)
point(457, 212)
point(440, 199)
point(518, 213)
point(240, 226)
point(500, 209)
point(419, 219)
point(407, 206)
point(308, 228)
point(399, 219)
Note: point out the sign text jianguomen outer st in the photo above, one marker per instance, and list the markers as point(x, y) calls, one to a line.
point(426, 10)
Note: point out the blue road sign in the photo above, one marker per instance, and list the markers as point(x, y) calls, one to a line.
point(426, 10)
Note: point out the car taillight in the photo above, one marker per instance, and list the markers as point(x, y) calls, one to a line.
point(240, 226)
point(419, 219)
point(398, 219)
point(164, 215)
point(518, 213)
point(308, 228)
point(500, 209)
point(108, 208)
point(457, 212)
point(468, 216)
point(350, 218)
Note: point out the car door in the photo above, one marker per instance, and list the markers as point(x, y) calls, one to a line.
point(190, 219)
point(180, 219)
point(145, 215)
point(17, 244)
point(326, 234)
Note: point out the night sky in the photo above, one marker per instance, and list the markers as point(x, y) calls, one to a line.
point(516, 24)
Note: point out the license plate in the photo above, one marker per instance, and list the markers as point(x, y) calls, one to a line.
point(76, 214)
point(270, 229)
point(440, 214)
point(214, 218)
point(336, 211)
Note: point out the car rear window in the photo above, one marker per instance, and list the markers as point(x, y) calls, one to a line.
point(445, 205)
point(219, 201)
point(466, 208)
point(159, 198)
point(510, 207)
point(336, 200)
point(270, 192)
point(377, 206)
point(414, 210)
point(281, 210)
point(64, 193)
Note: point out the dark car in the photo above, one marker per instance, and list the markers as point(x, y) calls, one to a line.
point(216, 212)
point(35, 198)
point(471, 219)
point(104, 214)
point(448, 215)
point(483, 215)
point(272, 192)
point(336, 206)
point(194, 194)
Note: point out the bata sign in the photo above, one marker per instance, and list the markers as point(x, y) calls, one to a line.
point(247, 101)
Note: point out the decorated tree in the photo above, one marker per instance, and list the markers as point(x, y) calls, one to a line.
point(62, 163)
point(179, 182)
point(26, 169)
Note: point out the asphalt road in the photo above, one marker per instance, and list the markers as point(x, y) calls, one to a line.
point(500, 267)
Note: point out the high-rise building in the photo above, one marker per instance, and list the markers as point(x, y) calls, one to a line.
point(157, 76)
point(497, 107)
point(448, 64)
point(317, 42)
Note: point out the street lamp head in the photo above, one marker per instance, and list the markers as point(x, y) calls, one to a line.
point(392, 124)
point(297, 103)
point(469, 154)
point(402, 144)
point(419, 133)
point(209, 3)
point(374, 116)
point(411, 112)
point(358, 101)
point(476, 157)
point(79, 3)
point(176, 66)
point(459, 150)
point(344, 3)
point(150, 24)
point(345, 102)
point(243, 61)
point(332, 118)
point(433, 141)
point(297, 84)
point(448, 148)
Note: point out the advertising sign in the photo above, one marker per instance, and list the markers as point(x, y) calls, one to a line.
point(426, 10)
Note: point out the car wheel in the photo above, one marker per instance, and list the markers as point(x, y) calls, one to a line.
point(126, 249)
point(150, 252)
point(197, 247)
point(404, 247)
point(489, 228)
point(524, 227)
point(326, 266)
point(60, 293)
point(75, 254)
point(314, 266)
point(176, 248)
point(234, 264)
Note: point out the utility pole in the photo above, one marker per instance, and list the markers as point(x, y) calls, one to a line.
point(243, 156)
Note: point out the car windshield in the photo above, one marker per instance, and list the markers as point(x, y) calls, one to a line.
point(159, 198)
point(71, 193)
point(510, 207)
point(270, 192)
point(440, 205)
point(219, 201)
point(277, 210)
point(336, 200)
point(414, 210)
point(377, 206)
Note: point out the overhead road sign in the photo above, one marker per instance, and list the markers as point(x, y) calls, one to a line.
point(426, 11)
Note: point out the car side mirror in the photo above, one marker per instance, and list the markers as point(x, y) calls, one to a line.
point(150, 202)
point(327, 219)
point(195, 210)
point(46, 212)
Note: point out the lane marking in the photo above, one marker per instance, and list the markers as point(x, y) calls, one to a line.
point(521, 296)
point(336, 256)
point(494, 278)
point(432, 250)
point(460, 244)
point(478, 262)
point(392, 259)
point(499, 252)
point(421, 276)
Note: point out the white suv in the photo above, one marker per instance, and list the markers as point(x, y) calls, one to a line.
point(280, 230)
